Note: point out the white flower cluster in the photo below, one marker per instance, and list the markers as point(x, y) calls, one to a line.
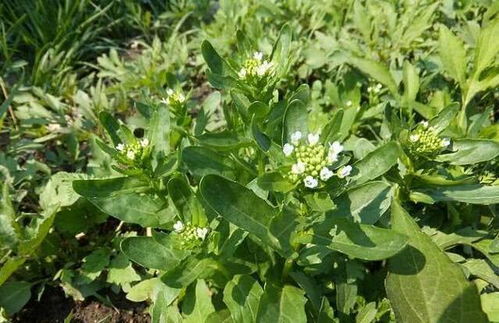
point(313, 160)
point(375, 89)
point(425, 140)
point(191, 236)
point(173, 98)
point(134, 150)
point(255, 67)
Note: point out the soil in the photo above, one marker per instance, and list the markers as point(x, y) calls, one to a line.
point(54, 307)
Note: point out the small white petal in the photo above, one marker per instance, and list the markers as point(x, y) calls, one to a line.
point(298, 168)
point(379, 86)
point(144, 142)
point(120, 147)
point(326, 174)
point(295, 137)
point(242, 73)
point(130, 154)
point(445, 142)
point(181, 98)
point(349, 103)
point(201, 233)
point(178, 226)
point(287, 149)
point(414, 138)
point(424, 124)
point(313, 138)
point(332, 157)
point(169, 92)
point(344, 171)
point(258, 56)
point(310, 182)
point(336, 148)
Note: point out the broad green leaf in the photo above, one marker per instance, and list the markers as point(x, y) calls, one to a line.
point(143, 291)
point(487, 47)
point(202, 161)
point(214, 61)
point(367, 314)
point(490, 304)
point(411, 82)
point(331, 131)
point(309, 285)
point(274, 181)
point(423, 284)
point(189, 270)
point(357, 240)
point(159, 132)
point(452, 55)
point(282, 305)
point(14, 295)
point(9, 267)
point(125, 199)
point(185, 201)
point(376, 163)
point(36, 233)
point(222, 140)
point(197, 304)
point(242, 296)
point(473, 194)
point(111, 125)
point(59, 190)
point(121, 272)
point(149, 253)
point(239, 205)
point(471, 151)
point(376, 70)
point(365, 203)
point(295, 119)
point(222, 316)
point(444, 118)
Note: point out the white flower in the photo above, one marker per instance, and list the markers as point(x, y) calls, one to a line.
point(424, 124)
point(349, 103)
point(181, 98)
point(263, 68)
point(287, 149)
point(326, 174)
point(334, 150)
point(144, 142)
point(201, 233)
point(336, 147)
point(178, 226)
point(344, 171)
point(445, 142)
point(53, 127)
point(414, 138)
point(295, 137)
point(242, 73)
point(298, 168)
point(310, 182)
point(258, 56)
point(169, 92)
point(120, 147)
point(130, 154)
point(313, 138)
